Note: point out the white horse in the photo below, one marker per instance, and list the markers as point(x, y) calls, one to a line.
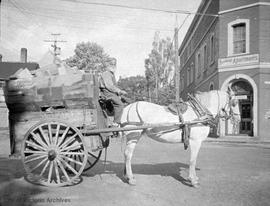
point(219, 103)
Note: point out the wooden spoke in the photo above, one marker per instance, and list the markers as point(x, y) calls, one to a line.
point(36, 158)
point(35, 145)
point(44, 168)
point(71, 160)
point(88, 161)
point(70, 139)
point(63, 137)
point(71, 153)
point(39, 140)
point(56, 171)
point(68, 166)
point(44, 135)
point(31, 156)
point(96, 157)
point(63, 169)
point(50, 133)
point(57, 134)
point(50, 172)
point(34, 152)
point(92, 159)
point(38, 165)
point(72, 147)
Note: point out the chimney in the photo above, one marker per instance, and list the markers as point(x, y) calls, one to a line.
point(23, 55)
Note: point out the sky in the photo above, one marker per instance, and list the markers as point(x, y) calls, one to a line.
point(124, 32)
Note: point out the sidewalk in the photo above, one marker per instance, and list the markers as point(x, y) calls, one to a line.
point(243, 140)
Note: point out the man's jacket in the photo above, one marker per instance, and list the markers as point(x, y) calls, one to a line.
point(107, 81)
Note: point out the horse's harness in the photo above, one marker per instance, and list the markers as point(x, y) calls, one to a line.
point(204, 116)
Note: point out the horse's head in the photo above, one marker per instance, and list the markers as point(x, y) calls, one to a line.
point(233, 106)
point(220, 104)
point(230, 109)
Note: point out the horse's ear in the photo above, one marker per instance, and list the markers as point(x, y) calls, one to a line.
point(230, 90)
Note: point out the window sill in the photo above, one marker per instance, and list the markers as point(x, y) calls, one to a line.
point(236, 55)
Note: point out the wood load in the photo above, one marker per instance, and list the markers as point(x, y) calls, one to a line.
point(54, 92)
point(57, 86)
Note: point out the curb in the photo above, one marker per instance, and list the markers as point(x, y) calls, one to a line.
point(237, 140)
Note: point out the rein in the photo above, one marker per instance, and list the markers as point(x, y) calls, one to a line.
point(206, 116)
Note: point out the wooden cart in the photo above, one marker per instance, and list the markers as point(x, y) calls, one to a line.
point(59, 132)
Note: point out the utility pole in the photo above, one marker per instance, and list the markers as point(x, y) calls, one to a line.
point(56, 49)
point(176, 62)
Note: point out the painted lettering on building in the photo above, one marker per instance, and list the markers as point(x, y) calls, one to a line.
point(239, 60)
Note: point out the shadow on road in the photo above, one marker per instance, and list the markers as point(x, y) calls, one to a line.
point(172, 169)
point(14, 190)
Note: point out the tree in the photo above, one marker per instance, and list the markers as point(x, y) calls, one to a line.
point(159, 67)
point(135, 87)
point(89, 56)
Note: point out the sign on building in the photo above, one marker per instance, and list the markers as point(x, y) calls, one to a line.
point(238, 60)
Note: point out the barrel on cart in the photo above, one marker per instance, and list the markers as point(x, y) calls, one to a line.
point(49, 116)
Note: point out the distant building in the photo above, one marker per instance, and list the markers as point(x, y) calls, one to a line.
point(226, 45)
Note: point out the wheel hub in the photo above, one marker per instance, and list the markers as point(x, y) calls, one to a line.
point(52, 155)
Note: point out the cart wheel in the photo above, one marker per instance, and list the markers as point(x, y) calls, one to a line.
point(92, 159)
point(47, 151)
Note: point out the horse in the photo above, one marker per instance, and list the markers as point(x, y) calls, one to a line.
point(220, 104)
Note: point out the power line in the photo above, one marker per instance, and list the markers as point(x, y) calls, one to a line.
point(73, 26)
point(122, 6)
point(22, 10)
point(142, 8)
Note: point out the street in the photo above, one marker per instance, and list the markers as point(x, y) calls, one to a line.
point(230, 174)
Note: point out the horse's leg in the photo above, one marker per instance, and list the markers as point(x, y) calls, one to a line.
point(195, 146)
point(132, 140)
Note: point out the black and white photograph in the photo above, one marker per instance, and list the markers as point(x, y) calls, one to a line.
point(143, 102)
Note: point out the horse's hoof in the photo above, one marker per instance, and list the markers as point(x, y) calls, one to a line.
point(195, 185)
point(130, 181)
point(194, 182)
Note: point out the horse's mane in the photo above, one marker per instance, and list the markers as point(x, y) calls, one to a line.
point(211, 98)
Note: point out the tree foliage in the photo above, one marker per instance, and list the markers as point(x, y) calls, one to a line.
point(135, 87)
point(159, 70)
point(89, 56)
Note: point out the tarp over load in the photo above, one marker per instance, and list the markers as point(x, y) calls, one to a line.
point(55, 85)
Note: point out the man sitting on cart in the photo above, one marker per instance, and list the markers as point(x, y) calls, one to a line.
point(110, 91)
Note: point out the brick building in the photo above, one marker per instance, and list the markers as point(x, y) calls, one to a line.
point(226, 45)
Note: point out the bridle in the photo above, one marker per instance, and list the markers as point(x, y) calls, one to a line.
point(227, 107)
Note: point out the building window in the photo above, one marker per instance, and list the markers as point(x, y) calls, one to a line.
point(212, 48)
point(205, 57)
point(238, 37)
point(188, 76)
point(198, 65)
point(192, 72)
point(211, 87)
point(182, 82)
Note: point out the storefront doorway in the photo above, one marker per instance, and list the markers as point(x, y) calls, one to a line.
point(244, 93)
